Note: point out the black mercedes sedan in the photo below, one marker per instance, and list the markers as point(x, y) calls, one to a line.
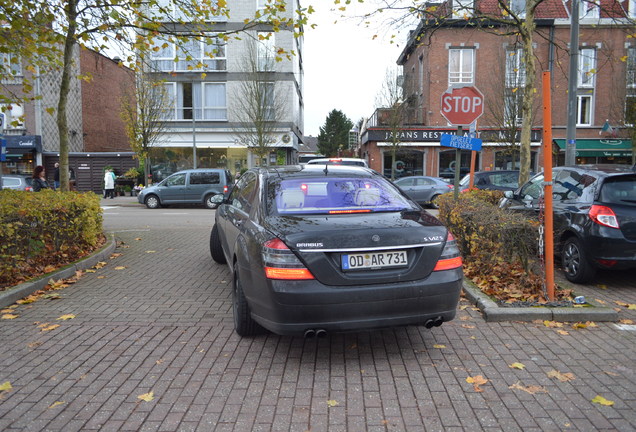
point(322, 248)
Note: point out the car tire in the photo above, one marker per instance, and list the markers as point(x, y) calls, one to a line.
point(216, 249)
point(207, 202)
point(433, 202)
point(244, 325)
point(152, 202)
point(576, 265)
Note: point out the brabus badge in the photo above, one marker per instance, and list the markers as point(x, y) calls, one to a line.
point(375, 238)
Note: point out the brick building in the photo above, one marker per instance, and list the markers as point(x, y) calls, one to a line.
point(96, 132)
point(457, 50)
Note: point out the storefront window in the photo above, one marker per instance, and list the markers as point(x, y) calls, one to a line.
point(165, 161)
point(510, 160)
point(407, 163)
point(447, 161)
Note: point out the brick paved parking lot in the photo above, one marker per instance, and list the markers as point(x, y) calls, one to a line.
point(157, 321)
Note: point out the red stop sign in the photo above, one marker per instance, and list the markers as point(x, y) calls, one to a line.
point(462, 105)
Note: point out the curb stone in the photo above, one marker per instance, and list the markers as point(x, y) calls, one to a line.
point(494, 313)
point(13, 294)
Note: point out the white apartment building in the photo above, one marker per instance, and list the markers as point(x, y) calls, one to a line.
point(201, 129)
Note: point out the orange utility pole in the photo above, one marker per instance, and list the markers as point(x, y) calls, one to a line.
point(548, 231)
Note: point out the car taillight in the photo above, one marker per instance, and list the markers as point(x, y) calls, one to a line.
point(603, 216)
point(28, 188)
point(225, 189)
point(281, 263)
point(450, 258)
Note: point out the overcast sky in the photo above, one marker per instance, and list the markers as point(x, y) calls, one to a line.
point(344, 66)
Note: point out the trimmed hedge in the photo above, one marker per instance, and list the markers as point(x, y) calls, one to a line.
point(45, 228)
point(486, 234)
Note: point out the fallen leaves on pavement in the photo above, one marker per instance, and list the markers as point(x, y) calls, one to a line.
point(146, 396)
point(563, 377)
point(66, 317)
point(601, 400)
point(6, 386)
point(533, 389)
point(477, 381)
point(515, 365)
point(332, 403)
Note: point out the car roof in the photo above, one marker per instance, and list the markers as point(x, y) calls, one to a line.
point(317, 171)
point(604, 168)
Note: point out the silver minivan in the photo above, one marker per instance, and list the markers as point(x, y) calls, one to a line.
point(193, 186)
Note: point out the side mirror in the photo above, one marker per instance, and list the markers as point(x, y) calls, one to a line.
point(509, 194)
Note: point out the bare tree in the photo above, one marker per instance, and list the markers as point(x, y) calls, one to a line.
point(258, 103)
point(143, 110)
point(392, 110)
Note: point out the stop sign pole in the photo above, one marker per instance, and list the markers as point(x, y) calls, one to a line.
point(461, 106)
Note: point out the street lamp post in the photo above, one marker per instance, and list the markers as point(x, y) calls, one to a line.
point(570, 146)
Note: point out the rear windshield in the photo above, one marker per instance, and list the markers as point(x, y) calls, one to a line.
point(335, 196)
point(619, 190)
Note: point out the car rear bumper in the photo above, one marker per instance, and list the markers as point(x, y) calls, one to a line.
point(611, 245)
point(295, 307)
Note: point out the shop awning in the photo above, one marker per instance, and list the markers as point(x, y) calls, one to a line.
point(599, 147)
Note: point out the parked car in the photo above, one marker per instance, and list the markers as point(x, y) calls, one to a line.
point(194, 186)
point(17, 181)
point(424, 190)
point(502, 180)
point(594, 216)
point(338, 161)
point(315, 250)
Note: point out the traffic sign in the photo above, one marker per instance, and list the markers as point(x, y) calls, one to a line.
point(460, 142)
point(462, 105)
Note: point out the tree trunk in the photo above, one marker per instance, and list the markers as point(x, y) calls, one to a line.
point(528, 98)
point(62, 120)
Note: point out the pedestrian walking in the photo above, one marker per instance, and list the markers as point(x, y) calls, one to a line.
point(39, 179)
point(56, 176)
point(109, 184)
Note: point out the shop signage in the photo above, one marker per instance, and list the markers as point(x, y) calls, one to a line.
point(3, 150)
point(435, 135)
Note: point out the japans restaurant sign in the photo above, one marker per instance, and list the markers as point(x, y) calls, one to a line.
point(435, 135)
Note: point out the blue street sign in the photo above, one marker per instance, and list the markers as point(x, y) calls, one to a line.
point(3, 150)
point(460, 142)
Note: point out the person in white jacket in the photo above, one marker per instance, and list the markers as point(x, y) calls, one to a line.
point(109, 183)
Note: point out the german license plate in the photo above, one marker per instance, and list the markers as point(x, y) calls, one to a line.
point(374, 260)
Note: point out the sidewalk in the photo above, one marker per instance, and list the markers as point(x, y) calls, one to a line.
point(121, 201)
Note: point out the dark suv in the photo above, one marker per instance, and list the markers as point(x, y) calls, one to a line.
point(594, 216)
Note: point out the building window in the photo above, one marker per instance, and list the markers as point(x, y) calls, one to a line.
point(515, 68)
point(588, 9)
point(463, 8)
point(632, 9)
point(631, 67)
point(214, 101)
point(461, 66)
point(168, 11)
point(192, 55)
point(518, 7)
point(204, 101)
point(13, 117)
point(266, 51)
point(630, 110)
point(512, 107)
point(266, 91)
point(587, 67)
point(584, 113)
point(10, 68)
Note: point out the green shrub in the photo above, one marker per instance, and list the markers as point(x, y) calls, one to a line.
point(486, 234)
point(45, 228)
